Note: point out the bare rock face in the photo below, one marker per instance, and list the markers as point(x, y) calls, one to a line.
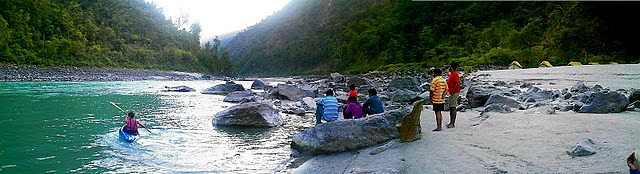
point(351, 134)
point(252, 114)
point(604, 102)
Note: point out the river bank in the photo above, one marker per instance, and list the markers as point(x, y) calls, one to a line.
point(10, 72)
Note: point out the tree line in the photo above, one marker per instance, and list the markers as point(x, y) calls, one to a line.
point(105, 33)
point(318, 37)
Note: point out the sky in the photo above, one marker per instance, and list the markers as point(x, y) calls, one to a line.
point(218, 17)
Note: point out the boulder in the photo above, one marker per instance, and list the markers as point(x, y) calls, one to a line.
point(501, 99)
point(584, 148)
point(178, 89)
point(350, 134)
point(579, 87)
point(223, 89)
point(407, 83)
point(240, 96)
point(252, 114)
point(360, 82)
point(634, 95)
point(258, 84)
point(535, 94)
point(497, 107)
point(403, 96)
point(605, 102)
point(338, 78)
point(478, 95)
point(289, 92)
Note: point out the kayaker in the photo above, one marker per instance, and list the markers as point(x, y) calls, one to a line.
point(131, 124)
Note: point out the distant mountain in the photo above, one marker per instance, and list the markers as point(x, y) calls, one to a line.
point(323, 36)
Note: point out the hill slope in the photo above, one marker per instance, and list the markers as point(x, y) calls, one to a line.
point(322, 36)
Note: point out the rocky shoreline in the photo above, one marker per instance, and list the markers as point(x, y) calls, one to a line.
point(65, 73)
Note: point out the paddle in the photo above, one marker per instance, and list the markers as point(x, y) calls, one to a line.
point(125, 113)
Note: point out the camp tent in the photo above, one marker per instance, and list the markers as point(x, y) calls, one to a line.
point(593, 63)
point(574, 64)
point(545, 64)
point(515, 65)
point(614, 63)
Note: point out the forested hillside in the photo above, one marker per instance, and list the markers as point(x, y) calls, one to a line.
point(323, 36)
point(104, 33)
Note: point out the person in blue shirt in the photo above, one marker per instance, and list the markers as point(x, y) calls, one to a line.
point(327, 108)
point(373, 105)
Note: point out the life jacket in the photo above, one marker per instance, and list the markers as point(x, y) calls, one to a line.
point(131, 125)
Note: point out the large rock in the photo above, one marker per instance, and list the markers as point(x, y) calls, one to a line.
point(501, 99)
point(584, 148)
point(403, 95)
point(579, 87)
point(338, 78)
point(360, 82)
point(478, 95)
point(497, 107)
point(240, 96)
point(407, 83)
point(604, 102)
point(351, 134)
point(634, 95)
point(289, 92)
point(258, 84)
point(535, 94)
point(223, 89)
point(252, 114)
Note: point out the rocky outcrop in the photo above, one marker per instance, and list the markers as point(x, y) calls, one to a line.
point(352, 134)
point(478, 95)
point(240, 96)
point(253, 114)
point(223, 89)
point(288, 92)
point(604, 102)
point(501, 99)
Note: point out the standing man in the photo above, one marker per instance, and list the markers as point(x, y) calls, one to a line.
point(453, 82)
point(437, 91)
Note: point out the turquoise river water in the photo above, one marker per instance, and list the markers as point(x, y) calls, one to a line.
point(70, 127)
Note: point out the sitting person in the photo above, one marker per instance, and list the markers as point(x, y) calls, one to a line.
point(354, 110)
point(352, 92)
point(131, 125)
point(327, 108)
point(373, 105)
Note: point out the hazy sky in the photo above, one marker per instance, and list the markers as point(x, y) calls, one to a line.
point(219, 17)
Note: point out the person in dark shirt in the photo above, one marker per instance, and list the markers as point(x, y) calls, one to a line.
point(373, 105)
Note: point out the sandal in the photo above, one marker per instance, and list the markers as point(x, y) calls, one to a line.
point(450, 126)
point(436, 130)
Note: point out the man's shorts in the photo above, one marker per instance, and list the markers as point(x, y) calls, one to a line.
point(438, 107)
point(453, 100)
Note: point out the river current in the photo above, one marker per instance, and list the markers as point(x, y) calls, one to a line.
point(70, 127)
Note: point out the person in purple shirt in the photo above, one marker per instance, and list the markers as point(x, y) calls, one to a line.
point(354, 110)
point(632, 162)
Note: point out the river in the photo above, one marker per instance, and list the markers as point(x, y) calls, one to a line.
point(70, 127)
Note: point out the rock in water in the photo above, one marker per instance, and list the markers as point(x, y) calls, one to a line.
point(226, 88)
point(351, 134)
point(584, 148)
point(258, 84)
point(291, 92)
point(240, 96)
point(252, 114)
point(501, 99)
point(604, 102)
point(409, 127)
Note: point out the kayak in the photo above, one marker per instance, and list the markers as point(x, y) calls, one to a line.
point(127, 136)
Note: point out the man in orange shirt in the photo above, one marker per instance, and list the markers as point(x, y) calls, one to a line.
point(453, 82)
point(437, 92)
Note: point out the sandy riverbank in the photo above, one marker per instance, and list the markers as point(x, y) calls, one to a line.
point(525, 141)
